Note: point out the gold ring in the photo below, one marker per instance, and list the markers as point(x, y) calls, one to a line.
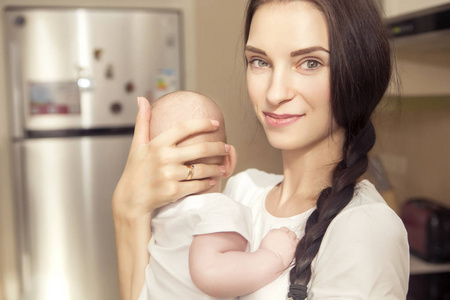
point(190, 174)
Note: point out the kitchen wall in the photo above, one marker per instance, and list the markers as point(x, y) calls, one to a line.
point(221, 75)
point(414, 146)
point(414, 130)
point(213, 65)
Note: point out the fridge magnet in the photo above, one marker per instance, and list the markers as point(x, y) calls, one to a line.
point(98, 53)
point(109, 74)
point(129, 87)
point(47, 98)
point(166, 82)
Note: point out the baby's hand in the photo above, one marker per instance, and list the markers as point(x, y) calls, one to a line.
point(282, 242)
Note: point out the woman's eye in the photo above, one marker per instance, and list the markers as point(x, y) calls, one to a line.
point(310, 65)
point(258, 63)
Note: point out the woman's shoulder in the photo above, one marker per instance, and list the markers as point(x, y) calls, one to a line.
point(368, 240)
point(250, 181)
point(368, 202)
point(366, 228)
point(368, 208)
point(366, 225)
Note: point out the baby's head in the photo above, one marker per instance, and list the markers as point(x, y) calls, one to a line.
point(177, 107)
point(181, 106)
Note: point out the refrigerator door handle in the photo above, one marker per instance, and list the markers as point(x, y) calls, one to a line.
point(16, 90)
point(22, 223)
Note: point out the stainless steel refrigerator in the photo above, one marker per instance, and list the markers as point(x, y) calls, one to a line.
point(74, 75)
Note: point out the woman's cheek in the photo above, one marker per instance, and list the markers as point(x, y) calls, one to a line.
point(251, 88)
point(256, 87)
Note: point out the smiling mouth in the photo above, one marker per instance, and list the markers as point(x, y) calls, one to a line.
point(275, 120)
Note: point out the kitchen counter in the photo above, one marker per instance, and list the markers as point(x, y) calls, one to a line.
point(428, 281)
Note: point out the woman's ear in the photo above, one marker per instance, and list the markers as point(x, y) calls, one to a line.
point(230, 162)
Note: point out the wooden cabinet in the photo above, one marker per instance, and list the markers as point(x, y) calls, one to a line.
point(393, 8)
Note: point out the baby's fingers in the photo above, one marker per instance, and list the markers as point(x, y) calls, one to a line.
point(292, 236)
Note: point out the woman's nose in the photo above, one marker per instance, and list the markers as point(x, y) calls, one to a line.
point(280, 88)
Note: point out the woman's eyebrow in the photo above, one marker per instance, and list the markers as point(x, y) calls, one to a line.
point(294, 53)
point(308, 50)
point(256, 50)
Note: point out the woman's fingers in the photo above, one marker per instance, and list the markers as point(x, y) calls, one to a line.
point(190, 187)
point(181, 131)
point(155, 172)
point(142, 127)
point(201, 150)
point(180, 155)
point(199, 171)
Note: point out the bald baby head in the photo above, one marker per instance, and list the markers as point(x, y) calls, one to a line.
point(177, 107)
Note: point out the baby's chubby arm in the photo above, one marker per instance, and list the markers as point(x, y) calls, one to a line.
point(220, 267)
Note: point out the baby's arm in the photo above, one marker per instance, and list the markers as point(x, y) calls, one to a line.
point(220, 268)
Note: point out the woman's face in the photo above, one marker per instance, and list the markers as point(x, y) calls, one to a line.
point(288, 74)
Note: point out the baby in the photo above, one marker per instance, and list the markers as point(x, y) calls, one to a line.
point(198, 244)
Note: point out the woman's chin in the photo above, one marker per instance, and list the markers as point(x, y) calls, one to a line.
point(282, 144)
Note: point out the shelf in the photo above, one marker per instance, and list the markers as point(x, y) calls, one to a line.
point(418, 266)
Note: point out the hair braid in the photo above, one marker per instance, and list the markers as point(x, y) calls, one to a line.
point(331, 201)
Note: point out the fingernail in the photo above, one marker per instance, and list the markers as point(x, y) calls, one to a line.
point(139, 101)
point(212, 182)
point(222, 169)
point(215, 123)
point(227, 148)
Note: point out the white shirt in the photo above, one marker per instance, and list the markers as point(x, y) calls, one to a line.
point(173, 229)
point(364, 253)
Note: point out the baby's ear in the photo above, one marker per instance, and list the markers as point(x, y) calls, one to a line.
point(230, 162)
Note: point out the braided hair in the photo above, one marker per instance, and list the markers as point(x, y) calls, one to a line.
point(360, 71)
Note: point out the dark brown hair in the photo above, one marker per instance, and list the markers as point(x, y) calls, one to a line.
point(360, 71)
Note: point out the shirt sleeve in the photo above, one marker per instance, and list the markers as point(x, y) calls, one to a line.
point(223, 214)
point(364, 255)
point(235, 187)
point(243, 186)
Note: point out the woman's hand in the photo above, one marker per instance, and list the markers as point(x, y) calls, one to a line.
point(155, 173)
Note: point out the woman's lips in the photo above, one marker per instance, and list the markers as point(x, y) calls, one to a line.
point(275, 120)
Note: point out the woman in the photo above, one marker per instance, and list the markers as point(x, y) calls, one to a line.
point(316, 71)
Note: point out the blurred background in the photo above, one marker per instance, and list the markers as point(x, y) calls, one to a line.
point(70, 72)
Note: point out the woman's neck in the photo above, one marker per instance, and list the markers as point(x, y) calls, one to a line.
point(306, 173)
